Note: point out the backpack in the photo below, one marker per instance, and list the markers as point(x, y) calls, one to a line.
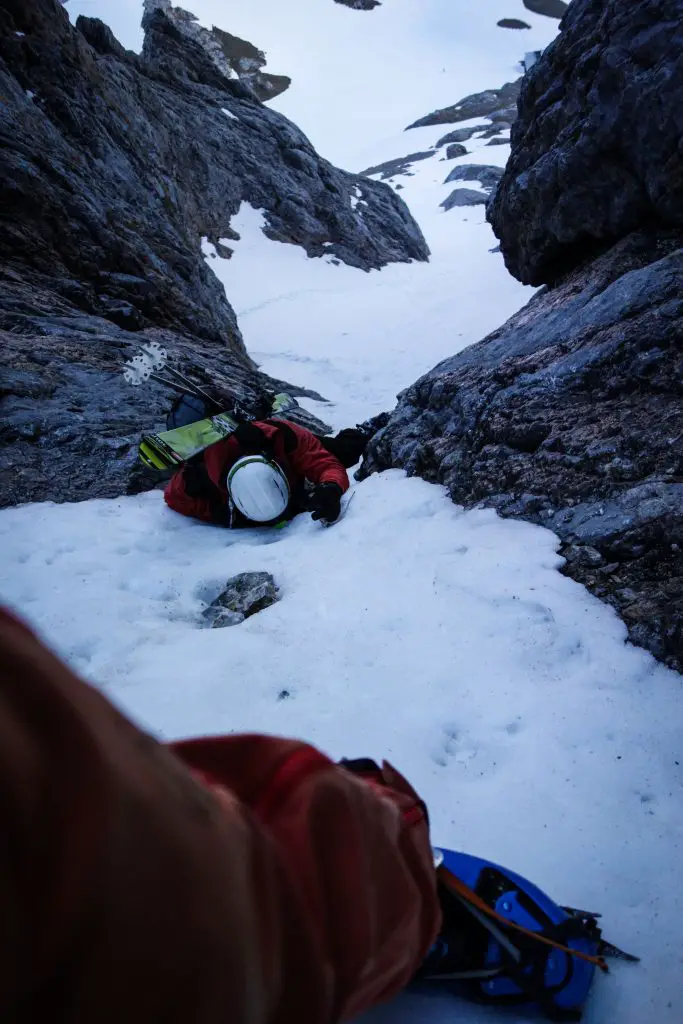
point(348, 446)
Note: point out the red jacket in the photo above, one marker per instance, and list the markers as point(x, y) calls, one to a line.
point(306, 460)
point(238, 880)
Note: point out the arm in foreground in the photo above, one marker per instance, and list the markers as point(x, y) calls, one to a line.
point(246, 879)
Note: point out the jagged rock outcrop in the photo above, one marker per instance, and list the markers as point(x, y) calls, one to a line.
point(113, 167)
point(596, 151)
point(571, 414)
point(229, 53)
point(496, 104)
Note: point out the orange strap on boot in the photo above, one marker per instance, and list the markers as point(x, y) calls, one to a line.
point(458, 887)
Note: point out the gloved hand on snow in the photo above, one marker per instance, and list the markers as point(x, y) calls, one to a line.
point(325, 502)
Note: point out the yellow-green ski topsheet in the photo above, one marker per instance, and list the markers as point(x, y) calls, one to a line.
point(171, 448)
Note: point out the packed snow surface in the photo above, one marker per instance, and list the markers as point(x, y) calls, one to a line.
point(444, 641)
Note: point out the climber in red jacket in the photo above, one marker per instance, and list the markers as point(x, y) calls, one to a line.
point(241, 879)
point(257, 477)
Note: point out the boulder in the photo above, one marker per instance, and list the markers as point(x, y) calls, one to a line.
point(455, 150)
point(244, 595)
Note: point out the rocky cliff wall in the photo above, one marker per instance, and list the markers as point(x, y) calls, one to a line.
point(113, 166)
point(571, 414)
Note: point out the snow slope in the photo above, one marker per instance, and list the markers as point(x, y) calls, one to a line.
point(445, 641)
point(359, 338)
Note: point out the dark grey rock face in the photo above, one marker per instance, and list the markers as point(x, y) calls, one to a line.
point(597, 148)
point(244, 595)
point(400, 165)
point(113, 167)
point(571, 416)
point(481, 104)
point(551, 8)
point(69, 423)
point(464, 197)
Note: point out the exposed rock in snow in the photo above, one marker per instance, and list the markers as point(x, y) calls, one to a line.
point(244, 595)
point(360, 5)
point(571, 415)
point(464, 197)
point(107, 186)
point(512, 23)
point(487, 176)
point(455, 150)
point(551, 8)
point(401, 165)
point(495, 129)
point(461, 134)
point(481, 104)
point(596, 150)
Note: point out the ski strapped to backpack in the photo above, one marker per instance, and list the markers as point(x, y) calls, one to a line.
point(530, 948)
point(209, 421)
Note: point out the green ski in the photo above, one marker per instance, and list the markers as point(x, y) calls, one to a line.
point(171, 448)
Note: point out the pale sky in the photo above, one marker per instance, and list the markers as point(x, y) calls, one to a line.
point(361, 76)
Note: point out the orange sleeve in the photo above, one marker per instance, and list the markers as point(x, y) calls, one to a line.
point(313, 461)
point(264, 885)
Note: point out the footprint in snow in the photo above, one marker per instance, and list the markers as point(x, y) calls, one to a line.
point(455, 746)
point(512, 728)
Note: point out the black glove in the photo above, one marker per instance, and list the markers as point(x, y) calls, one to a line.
point(325, 502)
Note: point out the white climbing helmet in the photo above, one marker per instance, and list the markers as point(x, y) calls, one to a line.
point(258, 488)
